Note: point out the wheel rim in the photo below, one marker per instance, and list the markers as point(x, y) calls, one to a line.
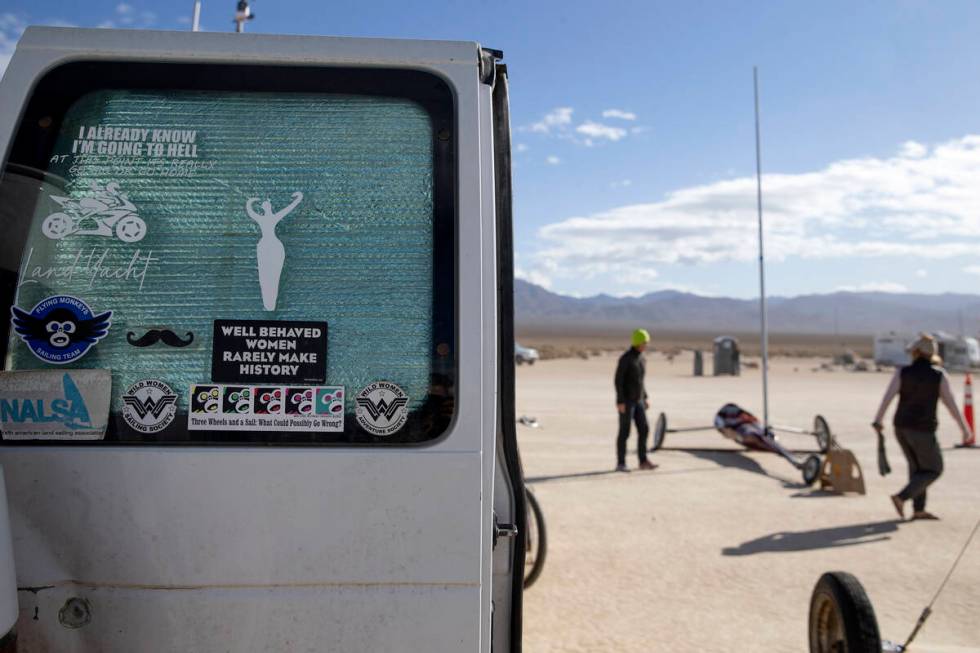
point(811, 469)
point(822, 430)
point(829, 626)
point(659, 431)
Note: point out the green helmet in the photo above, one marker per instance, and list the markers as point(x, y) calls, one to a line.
point(640, 337)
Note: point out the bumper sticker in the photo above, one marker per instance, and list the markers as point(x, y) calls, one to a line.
point(60, 329)
point(149, 406)
point(382, 408)
point(266, 408)
point(54, 404)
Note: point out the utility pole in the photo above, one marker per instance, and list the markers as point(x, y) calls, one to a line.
point(196, 21)
point(763, 318)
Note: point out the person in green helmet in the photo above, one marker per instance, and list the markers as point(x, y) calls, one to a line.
point(631, 400)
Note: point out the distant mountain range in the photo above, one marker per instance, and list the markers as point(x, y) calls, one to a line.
point(839, 312)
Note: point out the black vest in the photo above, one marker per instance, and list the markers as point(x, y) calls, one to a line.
point(918, 395)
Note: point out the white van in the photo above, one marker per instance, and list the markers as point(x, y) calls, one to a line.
point(258, 372)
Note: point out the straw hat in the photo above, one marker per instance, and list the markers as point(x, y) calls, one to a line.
point(925, 347)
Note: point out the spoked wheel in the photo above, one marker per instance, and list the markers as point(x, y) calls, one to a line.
point(535, 540)
point(659, 432)
point(841, 617)
point(822, 430)
point(811, 469)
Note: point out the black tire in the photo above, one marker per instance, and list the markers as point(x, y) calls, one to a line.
point(659, 432)
point(811, 469)
point(842, 619)
point(535, 540)
point(531, 362)
point(821, 429)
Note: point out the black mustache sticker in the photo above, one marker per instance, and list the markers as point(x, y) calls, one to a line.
point(153, 336)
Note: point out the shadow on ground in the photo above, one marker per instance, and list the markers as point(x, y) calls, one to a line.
point(820, 538)
point(735, 459)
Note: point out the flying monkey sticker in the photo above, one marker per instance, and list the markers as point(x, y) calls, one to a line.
point(60, 329)
point(382, 408)
point(149, 406)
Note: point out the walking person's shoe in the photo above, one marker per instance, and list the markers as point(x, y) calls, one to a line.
point(622, 468)
point(899, 504)
point(646, 464)
point(922, 514)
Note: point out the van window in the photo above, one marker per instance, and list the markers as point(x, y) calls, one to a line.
point(272, 246)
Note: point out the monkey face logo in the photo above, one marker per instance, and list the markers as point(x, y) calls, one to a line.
point(204, 399)
point(237, 400)
point(329, 401)
point(60, 329)
point(299, 401)
point(268, 401)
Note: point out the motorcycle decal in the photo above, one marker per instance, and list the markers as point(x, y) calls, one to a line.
point(108, 212)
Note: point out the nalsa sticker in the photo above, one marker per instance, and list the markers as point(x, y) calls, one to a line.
point(60, 329)
point(382, 408)
point(217, 407)
point(54, 405)
point(149, 406)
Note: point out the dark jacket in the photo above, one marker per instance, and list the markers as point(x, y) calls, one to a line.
point(629, 377)
point(918, 395)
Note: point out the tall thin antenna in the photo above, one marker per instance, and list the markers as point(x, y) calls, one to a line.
point(762, 259)
point(196, 21)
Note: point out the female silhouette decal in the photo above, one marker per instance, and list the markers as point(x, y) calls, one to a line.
point(269, 252)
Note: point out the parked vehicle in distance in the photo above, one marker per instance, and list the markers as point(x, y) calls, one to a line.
point(525, 354)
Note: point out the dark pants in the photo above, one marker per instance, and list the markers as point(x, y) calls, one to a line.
point(636, 412)
point(925, 463)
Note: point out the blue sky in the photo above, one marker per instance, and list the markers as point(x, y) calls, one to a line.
point(634, 132)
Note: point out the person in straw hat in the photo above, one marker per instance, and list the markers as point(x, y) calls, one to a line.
point(919, 387)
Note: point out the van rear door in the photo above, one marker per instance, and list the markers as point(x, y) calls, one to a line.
point(250, 389)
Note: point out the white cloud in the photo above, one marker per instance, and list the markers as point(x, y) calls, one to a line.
point(533, 276)
point(921, 273)
point(124, 9)
point(972, 269)
point(914, 150)
point(619, 113)
point(912, 205)
point(553, 160)
point(874, 286)
point(555, 119)
point(521, 147)
point(598, 130)
point(622, 183)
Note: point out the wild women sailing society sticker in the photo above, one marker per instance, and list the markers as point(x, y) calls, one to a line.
point(149, 406)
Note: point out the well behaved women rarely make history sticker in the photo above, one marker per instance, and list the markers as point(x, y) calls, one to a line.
point(269, 351)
